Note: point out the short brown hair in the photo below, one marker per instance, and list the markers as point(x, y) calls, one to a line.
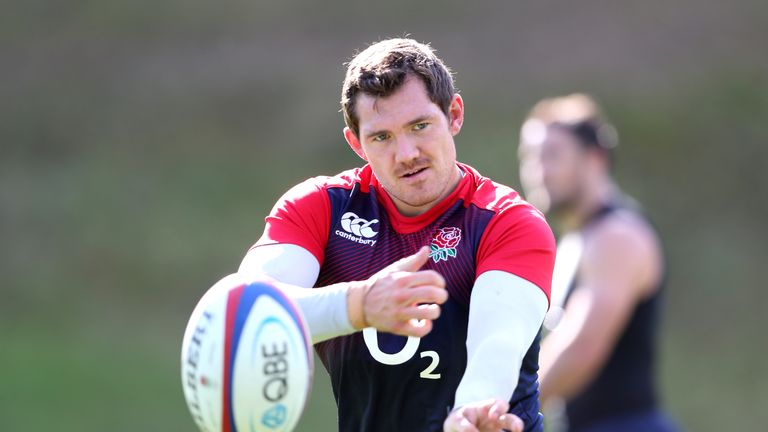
point(383, 67)
point(579, 114)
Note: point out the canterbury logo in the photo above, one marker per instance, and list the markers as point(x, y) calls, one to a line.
point(358, 226)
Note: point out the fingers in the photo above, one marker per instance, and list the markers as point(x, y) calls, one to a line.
point(498, 409)
point(418, 307)
point(420, 312)
point(402, 299)
point(484, 416)
point(420, 295)
point(413, 327)
point(426, 286)
point(461, 421)
point(423, 277)
point(511, 423)
point(411, 263)
point(466, 426)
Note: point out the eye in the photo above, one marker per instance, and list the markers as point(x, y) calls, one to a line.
point(380, 137)
point(420, 126)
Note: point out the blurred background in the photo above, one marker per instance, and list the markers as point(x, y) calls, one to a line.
point(142, 143)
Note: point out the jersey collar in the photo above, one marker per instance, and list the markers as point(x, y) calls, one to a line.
point(409, 224)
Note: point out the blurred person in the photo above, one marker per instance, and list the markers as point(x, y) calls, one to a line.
point(429, 279)
point(599, 356)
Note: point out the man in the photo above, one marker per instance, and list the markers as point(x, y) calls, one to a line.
point(608, 275)
point(429, 279)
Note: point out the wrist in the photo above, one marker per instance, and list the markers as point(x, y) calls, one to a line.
point(356, 294)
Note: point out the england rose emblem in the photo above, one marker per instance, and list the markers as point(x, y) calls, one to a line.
point(444, 244)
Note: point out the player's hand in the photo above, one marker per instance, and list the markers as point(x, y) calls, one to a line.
point(402, 299)
point(485, 416)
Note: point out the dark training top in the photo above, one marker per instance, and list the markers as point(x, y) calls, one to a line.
point(384, 382)
point(625, 384)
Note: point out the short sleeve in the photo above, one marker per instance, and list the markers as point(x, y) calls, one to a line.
point(518, 240)
point(301, 217)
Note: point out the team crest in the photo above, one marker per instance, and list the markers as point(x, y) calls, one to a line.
point(444, 244)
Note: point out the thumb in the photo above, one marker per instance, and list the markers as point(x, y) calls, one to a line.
point(411, 263)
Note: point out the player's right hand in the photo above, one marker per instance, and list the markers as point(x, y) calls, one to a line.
point(403, 300)
point(485, 416)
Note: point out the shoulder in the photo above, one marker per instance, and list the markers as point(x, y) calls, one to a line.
point(510, 210)
point(302, 215)
point(517, 239)
point(487, 194)
point(622, 229)
point(624, 242)
point(315, 187)
point(500, 199)
point(345, 179)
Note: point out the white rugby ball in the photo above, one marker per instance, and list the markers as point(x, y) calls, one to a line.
point(246, 359)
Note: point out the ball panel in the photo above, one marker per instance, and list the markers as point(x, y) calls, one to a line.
point(272, 380)
point(201, 359)
point(246, 359)
point(300, 322)
point(239, 303)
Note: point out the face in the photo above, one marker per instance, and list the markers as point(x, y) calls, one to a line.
point(552, 167)
point(408, 141)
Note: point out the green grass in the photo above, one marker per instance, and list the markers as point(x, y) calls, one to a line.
point(114, 379)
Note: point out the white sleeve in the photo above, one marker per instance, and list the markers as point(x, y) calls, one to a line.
point(325, 309)
point(505, 315)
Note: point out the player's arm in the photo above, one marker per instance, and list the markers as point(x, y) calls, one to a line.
point(392, 300)
point(291, 251)
point(507, 306)
point(296, 268)
point(620, 263)
point(505, 314)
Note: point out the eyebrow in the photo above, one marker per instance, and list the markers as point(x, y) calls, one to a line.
point(417, 120)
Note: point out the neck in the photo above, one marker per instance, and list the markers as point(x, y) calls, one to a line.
point(410, 211)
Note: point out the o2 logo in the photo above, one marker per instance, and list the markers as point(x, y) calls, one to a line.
point(370, 336)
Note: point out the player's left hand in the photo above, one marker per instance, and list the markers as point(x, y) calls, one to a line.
point(485, 416)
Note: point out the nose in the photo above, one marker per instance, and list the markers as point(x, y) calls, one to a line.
point(406, 150)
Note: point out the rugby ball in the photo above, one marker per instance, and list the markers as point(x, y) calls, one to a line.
point(246, 359)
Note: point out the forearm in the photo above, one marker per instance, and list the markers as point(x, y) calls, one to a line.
point(505, 316)
point(568, 364)
point(492, 371)
point(573, 354)
point(399, 299)
point(325, 309)
point(330, 311)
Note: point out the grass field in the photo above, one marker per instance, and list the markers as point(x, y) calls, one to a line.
point(127, 379)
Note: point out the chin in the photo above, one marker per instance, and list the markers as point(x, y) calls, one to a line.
point(560, 207)
point(420, 201)
point(539, 198)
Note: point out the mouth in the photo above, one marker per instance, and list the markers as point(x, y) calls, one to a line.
point(413, 172)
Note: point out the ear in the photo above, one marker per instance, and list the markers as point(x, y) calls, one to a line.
point(354, 143)
point(456, 114)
